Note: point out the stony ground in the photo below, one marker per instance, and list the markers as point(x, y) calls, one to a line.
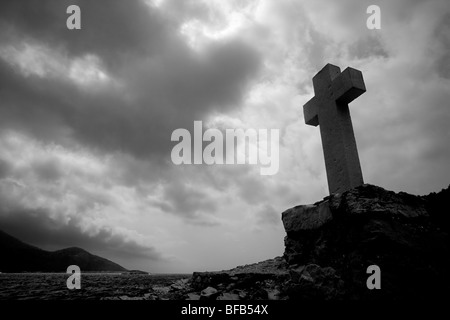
point(259, 281)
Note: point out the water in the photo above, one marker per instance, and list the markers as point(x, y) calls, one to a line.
point(94, 286)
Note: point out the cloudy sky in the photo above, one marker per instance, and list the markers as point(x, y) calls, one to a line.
point(86, 118)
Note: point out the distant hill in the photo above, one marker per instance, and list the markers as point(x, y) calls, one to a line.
point(17, 256)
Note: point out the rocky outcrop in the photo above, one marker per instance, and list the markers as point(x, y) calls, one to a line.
point(437, 207)
point(345, 233)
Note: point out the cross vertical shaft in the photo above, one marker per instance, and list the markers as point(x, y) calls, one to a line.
point(329, 108)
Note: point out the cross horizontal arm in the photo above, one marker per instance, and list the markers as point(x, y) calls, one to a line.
point(349, 85)
point(310, 112)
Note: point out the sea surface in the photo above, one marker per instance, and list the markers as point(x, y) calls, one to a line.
point(94, 286)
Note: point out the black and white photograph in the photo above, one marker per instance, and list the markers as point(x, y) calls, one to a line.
point(268, 153)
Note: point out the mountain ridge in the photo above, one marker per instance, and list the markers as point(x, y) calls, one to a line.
point(18, 256)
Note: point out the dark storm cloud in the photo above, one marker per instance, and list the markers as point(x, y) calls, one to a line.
point(37, 228)
point(110, 28)
point(188, 202)
point(164, 84)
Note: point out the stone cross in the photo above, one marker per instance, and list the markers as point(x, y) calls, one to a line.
point(329, 108)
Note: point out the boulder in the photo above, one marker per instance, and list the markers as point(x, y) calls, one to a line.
point(365, 226)
point(306, 217)
point(180, 284)
point(312, 282)
point(209, 293)
point(193, 296)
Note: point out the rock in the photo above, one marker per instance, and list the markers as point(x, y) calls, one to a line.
point(306, 217)
point(436, 204)
point(193, 296)
point(228, 296)
point(149, 296)
point(273, 294)
point(209, 293)
point(180, 284)
point(130, 298)
point(201, 280)
point(243, 276)
point(313, 282)
point(366, 226)
point(249, 282)
point(230, 287)
point(242, 294)
point(372, 200)
point(161, 290)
